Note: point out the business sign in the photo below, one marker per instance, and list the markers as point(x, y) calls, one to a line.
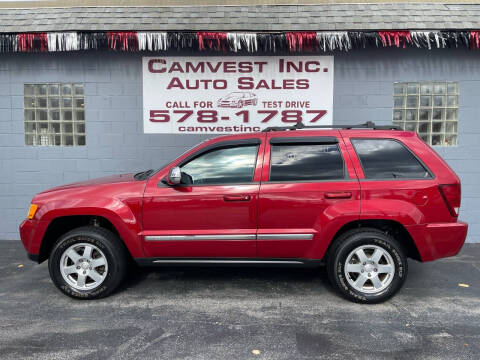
point(220, 95)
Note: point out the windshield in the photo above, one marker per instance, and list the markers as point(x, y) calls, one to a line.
point(148, 173)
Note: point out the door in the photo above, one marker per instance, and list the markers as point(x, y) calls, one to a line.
point(308, 188)
point(216, 215)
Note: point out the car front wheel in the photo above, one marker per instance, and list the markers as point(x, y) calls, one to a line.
point(367, 265)
point(88, 262)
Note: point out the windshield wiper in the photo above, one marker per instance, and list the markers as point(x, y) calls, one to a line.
point(143, 175)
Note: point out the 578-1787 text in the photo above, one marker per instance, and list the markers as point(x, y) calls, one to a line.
point(212, 116)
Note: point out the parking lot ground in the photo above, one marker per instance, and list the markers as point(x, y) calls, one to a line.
point(240, 313)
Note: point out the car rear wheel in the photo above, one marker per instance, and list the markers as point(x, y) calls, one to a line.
point(88, 262)
point(367, 265)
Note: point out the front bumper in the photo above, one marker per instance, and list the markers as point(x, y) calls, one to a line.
point(438, 240)
point(31, 234)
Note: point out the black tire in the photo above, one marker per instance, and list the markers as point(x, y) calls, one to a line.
point(111, 246)
point(350, 241)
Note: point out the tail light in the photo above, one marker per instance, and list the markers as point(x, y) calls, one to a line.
point(451, 194)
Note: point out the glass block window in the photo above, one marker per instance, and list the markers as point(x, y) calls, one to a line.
point(429, 108)
point(54, 114)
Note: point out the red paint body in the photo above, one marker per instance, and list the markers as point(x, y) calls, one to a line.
point(149, 208)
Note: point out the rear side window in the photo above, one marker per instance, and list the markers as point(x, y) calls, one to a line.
point(304, 162)
point(388, 159)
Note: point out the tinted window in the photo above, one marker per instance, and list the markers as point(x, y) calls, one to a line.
point(223, 166)
point(293, 162)
point(388, 159)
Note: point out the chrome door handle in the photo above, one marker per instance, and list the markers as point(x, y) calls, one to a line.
point(338, 195)
point(236, 197)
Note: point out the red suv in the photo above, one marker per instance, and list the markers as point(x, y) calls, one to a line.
point(359, 199)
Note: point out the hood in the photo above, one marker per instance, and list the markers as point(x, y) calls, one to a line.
point(112, 179)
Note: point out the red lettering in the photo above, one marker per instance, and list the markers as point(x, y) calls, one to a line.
point(176, 67)
point(308, 68)
point(219, 84)
point(289, 84)
point(262, 84)
point(245, 67)
point(151, 67)
point(260, 65)
point(229, 67)
point(189, 67)
point(175, 83)
point(215, 68)
point(245, 83)
point(303, 84)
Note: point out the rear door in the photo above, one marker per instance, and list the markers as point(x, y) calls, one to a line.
point(308, 186)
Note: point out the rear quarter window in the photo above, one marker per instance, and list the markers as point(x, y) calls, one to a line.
point(388, 159)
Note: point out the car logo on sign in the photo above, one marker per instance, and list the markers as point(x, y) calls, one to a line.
point(238, 99)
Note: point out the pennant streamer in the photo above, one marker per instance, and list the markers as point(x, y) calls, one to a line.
point(362, 40)
point(474, 39)
point(428, 39)
point(8, 43)
point(152, 41)
point(272, 42)
point(122, 40)
point(397, 38)
point(182, 40)
point(455, 39)
point(324, 41)
point(336, 40)
point(28, 42)
point(62, 41)
point(301, 41)
point(212, 40)
point(92, 41)
point(242, 41)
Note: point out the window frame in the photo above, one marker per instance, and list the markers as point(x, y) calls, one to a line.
point(427, 169)
point(308, 140)
point(216, 146)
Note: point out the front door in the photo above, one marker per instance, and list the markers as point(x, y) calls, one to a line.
point(216, 215)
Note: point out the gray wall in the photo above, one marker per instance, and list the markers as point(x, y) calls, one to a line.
point(115, 143)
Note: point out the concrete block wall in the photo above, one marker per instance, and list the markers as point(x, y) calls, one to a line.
point(115, 141)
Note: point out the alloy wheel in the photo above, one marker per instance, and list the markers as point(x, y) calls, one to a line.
point(369, 269)
point(83, 266)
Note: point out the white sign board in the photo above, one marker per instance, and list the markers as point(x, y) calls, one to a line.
point(221, 95)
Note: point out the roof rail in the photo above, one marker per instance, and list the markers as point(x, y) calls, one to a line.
point(299, 125)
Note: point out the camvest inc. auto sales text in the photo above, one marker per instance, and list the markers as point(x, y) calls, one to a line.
point(282, 66)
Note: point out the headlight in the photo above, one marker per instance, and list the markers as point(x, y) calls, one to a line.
point(32, 211)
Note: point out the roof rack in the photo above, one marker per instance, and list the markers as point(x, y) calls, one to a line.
point(368, 125)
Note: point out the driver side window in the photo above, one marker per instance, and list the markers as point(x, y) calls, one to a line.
point(227, 165)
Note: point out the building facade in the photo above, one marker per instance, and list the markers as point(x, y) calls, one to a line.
point(90, 103)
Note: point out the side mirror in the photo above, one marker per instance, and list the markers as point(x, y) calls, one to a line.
point(175, 176)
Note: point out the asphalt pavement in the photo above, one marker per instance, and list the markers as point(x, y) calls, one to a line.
point(240, 313)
